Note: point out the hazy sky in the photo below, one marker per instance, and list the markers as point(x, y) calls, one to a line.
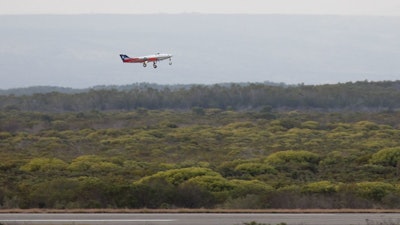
point(83, 51)
point(337, 7)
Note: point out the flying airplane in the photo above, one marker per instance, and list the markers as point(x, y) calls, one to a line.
point(145, 59)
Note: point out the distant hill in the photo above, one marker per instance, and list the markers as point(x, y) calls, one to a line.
point(357, 96)
point(64, 90)
point(39, 90)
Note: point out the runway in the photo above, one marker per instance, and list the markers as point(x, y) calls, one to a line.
point(199, 218)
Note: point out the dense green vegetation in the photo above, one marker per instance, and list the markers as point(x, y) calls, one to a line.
point(262, 157)
point(346, 96)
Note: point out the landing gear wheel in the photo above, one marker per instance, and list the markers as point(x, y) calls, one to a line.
point(144, 64)
point(154, 65)
point(170, 62)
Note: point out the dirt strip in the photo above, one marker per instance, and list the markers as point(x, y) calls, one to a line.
point(199, 210)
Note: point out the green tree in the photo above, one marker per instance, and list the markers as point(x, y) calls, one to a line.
point(92, 164)
point(374, 190)
point(178, 176)
point(387, 157)
point(299, 159)
point(254, 169)
point(324, 187)
point(44, 165)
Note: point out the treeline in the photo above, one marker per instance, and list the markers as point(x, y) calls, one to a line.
point(358, 96)
point(203, 157)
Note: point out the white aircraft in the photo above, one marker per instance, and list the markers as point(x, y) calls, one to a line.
point(145, 59)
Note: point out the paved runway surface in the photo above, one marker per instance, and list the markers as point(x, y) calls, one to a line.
point(200, 219)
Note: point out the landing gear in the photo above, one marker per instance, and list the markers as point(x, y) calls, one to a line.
point(144, 64)
point(154, 65)
point(170, 62)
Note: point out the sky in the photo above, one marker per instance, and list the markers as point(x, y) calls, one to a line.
point(320, 7)
point(290, 41)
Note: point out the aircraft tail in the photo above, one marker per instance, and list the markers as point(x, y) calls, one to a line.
point(123, 57)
